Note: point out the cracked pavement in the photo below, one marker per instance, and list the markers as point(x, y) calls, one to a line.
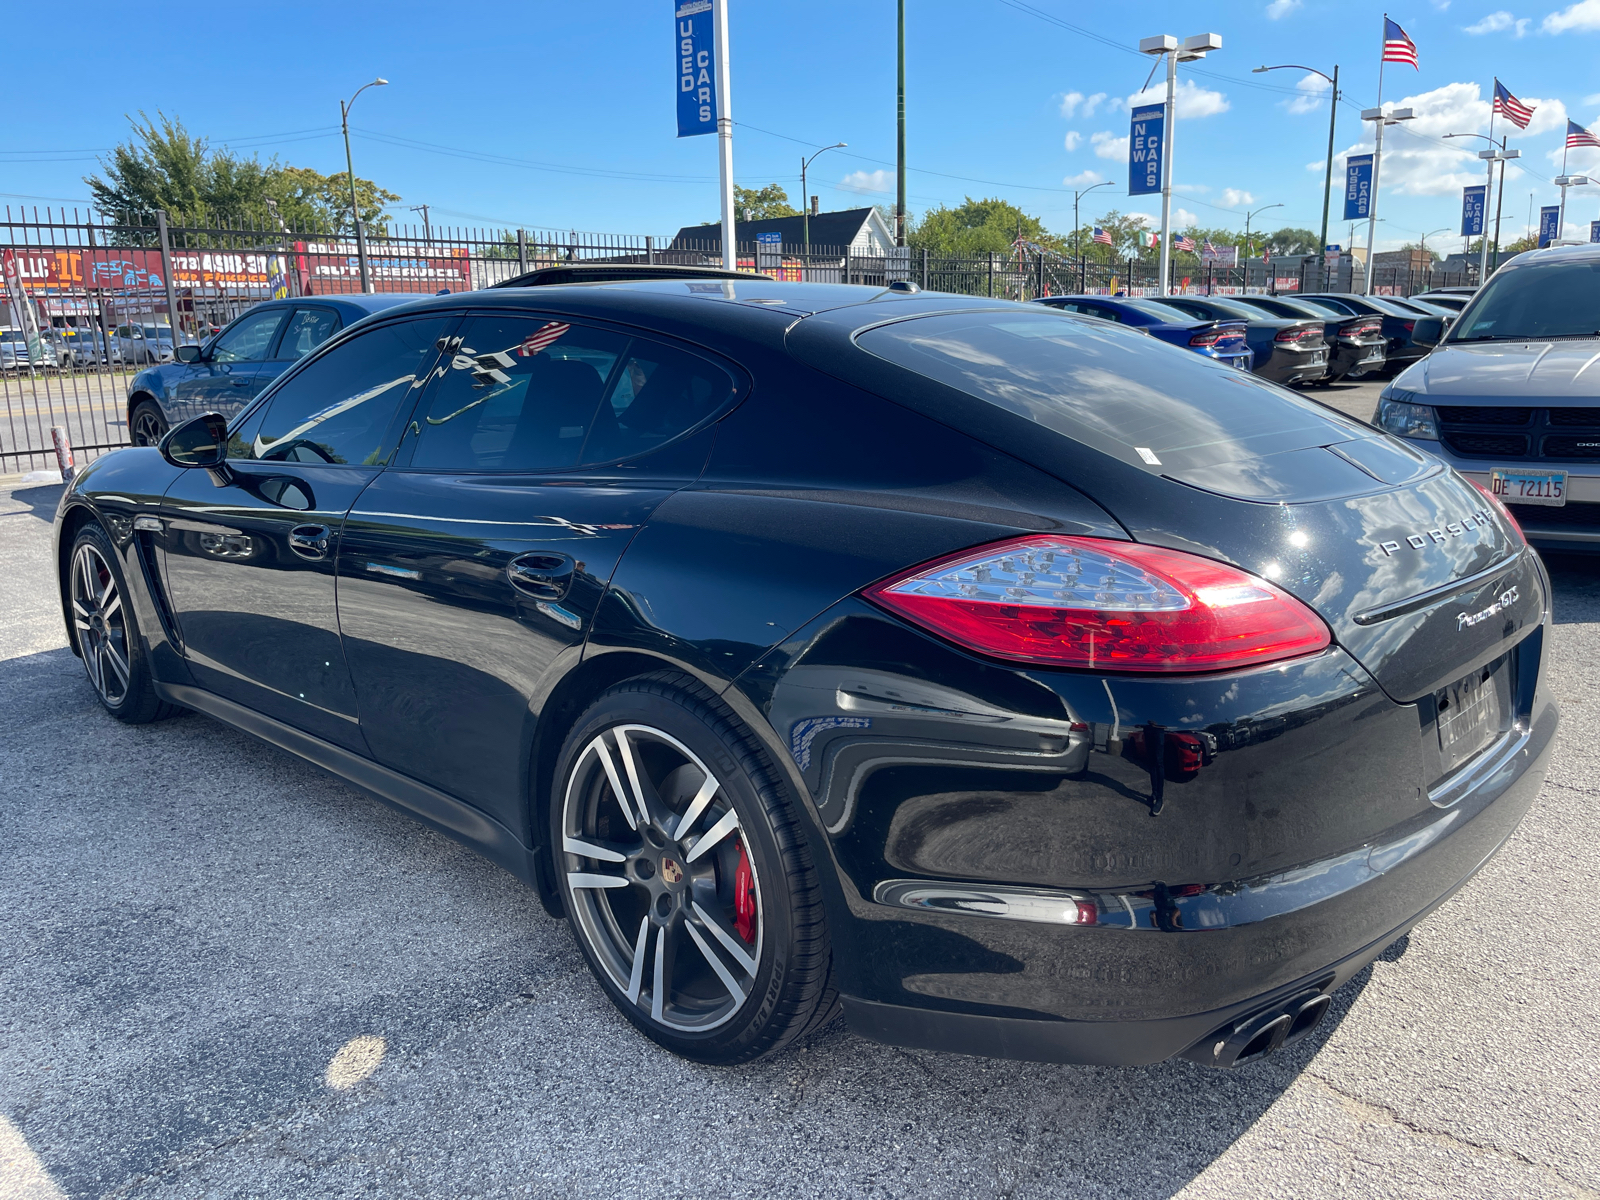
point(223, 973)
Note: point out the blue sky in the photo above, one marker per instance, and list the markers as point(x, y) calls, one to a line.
point(560, 115)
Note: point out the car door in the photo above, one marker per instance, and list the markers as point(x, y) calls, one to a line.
point(308, 326)
point(470, 571)
point(226, 377)
point(250, 565)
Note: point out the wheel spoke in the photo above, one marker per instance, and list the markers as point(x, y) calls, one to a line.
point(723, 973)
point(708, 789)
point(636, 778)
point(658, 990)
point(730, 940)
point(616, 782)
point(117, 663)
point(584, 849)
point(96, 669)
point(636, 979)
point(728, 823)
point(79, 609)
point(589, 879)
point(111, 605)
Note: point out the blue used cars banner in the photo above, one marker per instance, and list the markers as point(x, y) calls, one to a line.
point(1472, 210)
point(697, 67)
point(1145, 150)
point(1549, 225)
point(1357, 187)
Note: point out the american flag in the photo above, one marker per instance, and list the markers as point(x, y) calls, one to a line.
point(1397, 47)
point(1508, 106)
point(1102, 236)
point(1577, 136)
point(1208, 250)
point(544, 336)
point(1183, 242)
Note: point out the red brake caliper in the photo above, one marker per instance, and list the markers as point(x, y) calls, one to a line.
point(744, 897)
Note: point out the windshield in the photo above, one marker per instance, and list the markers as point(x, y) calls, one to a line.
point(1557, 299)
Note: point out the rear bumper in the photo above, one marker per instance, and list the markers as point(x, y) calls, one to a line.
point(1285, 365)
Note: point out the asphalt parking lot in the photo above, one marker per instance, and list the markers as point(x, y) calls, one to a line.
point(223, 973)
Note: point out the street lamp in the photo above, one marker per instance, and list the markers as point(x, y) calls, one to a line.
point(1564, 182)
point(805, 197)
point(1193, 48)
point(1379, 118)
point(1333, 113)
point(1497, 152)
point(355, 206)
point(1077, 196)
point(1250, 216)
point(1429, 234)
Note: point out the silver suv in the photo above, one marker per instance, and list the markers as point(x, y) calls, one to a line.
point(1510, 396)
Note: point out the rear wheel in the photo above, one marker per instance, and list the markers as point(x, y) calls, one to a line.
point(684, 874)
point(148, 425)
point(108, 632)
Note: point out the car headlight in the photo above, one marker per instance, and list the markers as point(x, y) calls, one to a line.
point(1408, 420)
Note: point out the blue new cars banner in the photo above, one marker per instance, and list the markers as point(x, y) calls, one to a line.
point(1594, 231)
point(1145, 150)
point(1472, 210)
point(697, 67)
point(1549, 225)
point(1357, 187)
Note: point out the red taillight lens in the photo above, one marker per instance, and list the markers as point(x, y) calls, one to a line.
point(1408, 326)
point(1297, 335)
point(1109, 606)
point(1209, 338)
point(1499, 507)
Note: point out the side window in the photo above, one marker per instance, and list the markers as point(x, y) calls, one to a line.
point(521, 393)
point(249, 338)
point(1105, 314)
point(338, 409)
point(659, 393)
point(308, 328)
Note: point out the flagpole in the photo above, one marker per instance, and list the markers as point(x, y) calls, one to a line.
point(1483, 248)
point(1377, 154)
point(1561, 225)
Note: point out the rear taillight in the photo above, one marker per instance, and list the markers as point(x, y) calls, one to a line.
point(1105, 605)
point(1297, 335)
point(1367, 330)
point(1408, 326)
point(1208, 338)
point(1499, 507)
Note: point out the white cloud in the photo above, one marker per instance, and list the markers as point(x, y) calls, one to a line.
point(1193, 100)
point(1072, 102)
point(1073, 140)
point(1499, 22)
point(1594, 99)
point(1109, 145)
point(1547, 115)
point(1233, 197)
point(1311, 89)
point(1092, 103)
point(1083, 179)
point(1583, 16)
point(1281, 8)
point(867, 181)
point(1319, 166)
point(1416, 159)
point(1182, 218)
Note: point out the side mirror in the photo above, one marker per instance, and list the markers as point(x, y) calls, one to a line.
point(1427, 331)
point(202, 442)
point(188, 354)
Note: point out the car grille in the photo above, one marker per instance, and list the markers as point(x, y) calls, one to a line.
point(1572, 434)
point(1540, 516)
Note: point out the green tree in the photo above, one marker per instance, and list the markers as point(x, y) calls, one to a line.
point(761, 204)
point(976, 227)
point(1287, 240)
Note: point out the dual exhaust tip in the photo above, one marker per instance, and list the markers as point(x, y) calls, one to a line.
point(1259, 1034)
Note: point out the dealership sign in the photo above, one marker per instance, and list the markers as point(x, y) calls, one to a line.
point(1549, 225)
point(1145, 149)
point(1472, 199)
point(697, 67)
point(1357, 187)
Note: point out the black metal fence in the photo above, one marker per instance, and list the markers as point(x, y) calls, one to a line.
point(108, 299)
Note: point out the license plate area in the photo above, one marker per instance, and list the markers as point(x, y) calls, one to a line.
point(1548, 488)
point(1471, 714)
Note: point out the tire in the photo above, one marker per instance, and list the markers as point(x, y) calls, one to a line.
point(658, 916)
point(108, 632)
point(147, 425)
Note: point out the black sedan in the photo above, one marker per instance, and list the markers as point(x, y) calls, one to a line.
point(1287, 349)
point(1356, 344)
point(1014, 682)
point(1398, 320)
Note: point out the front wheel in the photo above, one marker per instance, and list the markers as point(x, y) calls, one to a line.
point(107, 632)
point(685, 875)
point(148, 424)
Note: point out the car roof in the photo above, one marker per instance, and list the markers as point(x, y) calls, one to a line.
point(1531, 258)
point(611, 272)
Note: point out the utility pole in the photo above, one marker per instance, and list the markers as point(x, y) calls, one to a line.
point(900, 138)
point(730, 249)
point(427, 229)
point(355, 205)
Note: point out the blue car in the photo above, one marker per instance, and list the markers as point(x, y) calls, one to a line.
point(1223, 340)
point(227, 372)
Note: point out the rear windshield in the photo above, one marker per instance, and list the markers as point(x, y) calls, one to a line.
point(1543, 300)
point(1150, 404)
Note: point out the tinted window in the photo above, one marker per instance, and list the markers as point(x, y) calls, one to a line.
point(659, 393)
point(338, 409)
point(519, 394)
point(308, 328)
point(1124, 394)
point(249, 338)
point(1550, 299)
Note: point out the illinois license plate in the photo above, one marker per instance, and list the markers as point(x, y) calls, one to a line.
point(1472, 713)
point(1530, 487)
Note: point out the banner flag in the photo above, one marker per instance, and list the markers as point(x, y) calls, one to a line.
point(1594, 231)
point(1549, 224)
point(1357, 187)
point(697, 67)
point(1145, 149)
point(1472, 200)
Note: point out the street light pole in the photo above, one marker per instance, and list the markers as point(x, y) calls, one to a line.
point(1193, 48)
point(1250, 216)
point(1333, 116)
point(1497, 152)
point(1379, 119)
point(805, 198)
point(1564, 182)
point(349, 166)
point(1077, 196)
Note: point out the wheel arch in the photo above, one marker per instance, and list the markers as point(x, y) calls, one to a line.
point(73, 520)
point(137, 398)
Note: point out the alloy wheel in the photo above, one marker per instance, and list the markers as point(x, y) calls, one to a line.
point(147, 428)
point(659, 878)
point(101, 624)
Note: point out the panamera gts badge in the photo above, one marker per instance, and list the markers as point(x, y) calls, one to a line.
point(1454, 529)
point(1501, 602)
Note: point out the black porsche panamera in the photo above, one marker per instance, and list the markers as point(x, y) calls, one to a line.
point(1013, 682)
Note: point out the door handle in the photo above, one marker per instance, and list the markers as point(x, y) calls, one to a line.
point(310, 541)
point(242, 382)
point(544, 576)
